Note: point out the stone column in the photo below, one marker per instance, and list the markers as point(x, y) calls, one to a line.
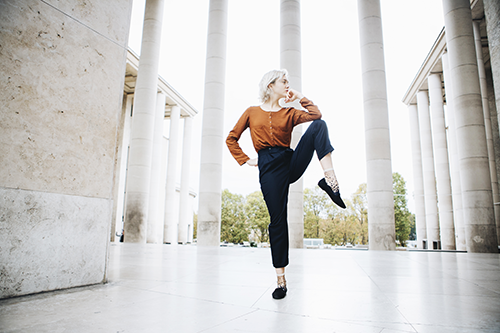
point(487, 124)
point(171, 222)
point(456, 185)
point(121, 171)
point(291, 59)
point(381, 229)
point(155, 216)
point(431, 209)
point(479, 218)
point(418, 180)
point(141, 138)
point(492, 16)
point(445, 205)
point(213, 127)
point(185, 211)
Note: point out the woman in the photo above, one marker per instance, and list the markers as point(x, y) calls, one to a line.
point(271, 128)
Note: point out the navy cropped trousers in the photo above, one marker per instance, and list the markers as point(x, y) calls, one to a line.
point(278, 168)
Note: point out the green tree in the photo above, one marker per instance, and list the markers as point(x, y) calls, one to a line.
point(323, 219)
point(234, 228)
point(195, 226)
point(402, 216)
point(316, 206)
point(343, 227)
point(360, 212)
point(258, 216)
point(413, 230)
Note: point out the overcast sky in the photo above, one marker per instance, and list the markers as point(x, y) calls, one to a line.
point(331, 73)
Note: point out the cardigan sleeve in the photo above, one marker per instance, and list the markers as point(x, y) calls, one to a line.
point(312, 113)
point(234, 136)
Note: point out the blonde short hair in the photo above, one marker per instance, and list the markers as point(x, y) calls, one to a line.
point(267, 79)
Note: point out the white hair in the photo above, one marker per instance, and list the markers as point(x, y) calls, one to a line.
point(267, 79)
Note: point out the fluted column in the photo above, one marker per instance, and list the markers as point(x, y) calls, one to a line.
point(185, 212)
point(456, 184)
point(428, 171)
point(155, 216)
point(445, 205)
point(171, 209)
point(487, 125)
point(418, 180)
point(141, 137)
point(381, 228)
point(291, 59)
point(213, 127)
point(480, 228)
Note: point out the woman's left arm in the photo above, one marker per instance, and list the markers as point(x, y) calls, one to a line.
point(311, 114)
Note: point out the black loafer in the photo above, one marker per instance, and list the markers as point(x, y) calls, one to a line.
point(335, 196)
point(279, 293)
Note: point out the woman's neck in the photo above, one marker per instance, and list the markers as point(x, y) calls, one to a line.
point(272, 104)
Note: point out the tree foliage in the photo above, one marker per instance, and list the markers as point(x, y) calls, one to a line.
point(195, 226)
point(258, 216)
point(402, 216)
point(316, 207)
point(244, 218)
point(234, 226)
point(323, 219)
point(360, 212)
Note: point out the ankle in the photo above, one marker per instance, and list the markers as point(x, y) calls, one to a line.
point(281, 281)
point(331, 180)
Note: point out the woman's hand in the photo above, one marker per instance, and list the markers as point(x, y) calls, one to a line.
point(252, 162)
point(292, 95)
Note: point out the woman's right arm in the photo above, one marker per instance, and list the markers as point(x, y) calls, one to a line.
point(234, 136)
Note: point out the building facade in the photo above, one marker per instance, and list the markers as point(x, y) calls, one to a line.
point(455, 133)
point(170, 212)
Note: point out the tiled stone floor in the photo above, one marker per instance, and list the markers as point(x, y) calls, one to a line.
point(161, 288)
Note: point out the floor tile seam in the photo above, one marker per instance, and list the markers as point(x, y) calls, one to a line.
point(227, 321)
point(217, 284)
point(199, 299)
point(382, 323)
point(34, 325)
point(387, 297)
point(357, 322)
point(459, 327)
point(180, 281)
point(48, 295)
point(482, 287)
point(423, 294)
point(264, 293)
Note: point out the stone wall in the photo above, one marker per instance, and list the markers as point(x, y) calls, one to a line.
point(62, 66)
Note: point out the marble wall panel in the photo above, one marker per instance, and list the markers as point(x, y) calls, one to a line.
point(50, 241)
point(61, 93)
point(105, 23)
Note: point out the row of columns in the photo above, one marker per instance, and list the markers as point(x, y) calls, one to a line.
point(470, 132)
point(170, 215)
point(380, 194)
point(465, 218)
point(150, 211)
point(213, 119)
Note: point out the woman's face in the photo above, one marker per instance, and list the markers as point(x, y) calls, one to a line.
point(280, 87)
